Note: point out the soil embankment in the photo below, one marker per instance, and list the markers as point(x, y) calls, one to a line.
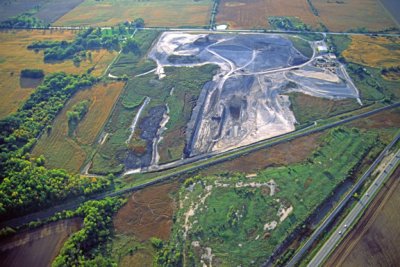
point(37, 247)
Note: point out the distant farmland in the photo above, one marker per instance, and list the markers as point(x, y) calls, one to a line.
point(374, 52)
point(63, 151)
point(254, 14)
point(48, 11)
point(14, 56)
point(154, 13)
point(346, 15)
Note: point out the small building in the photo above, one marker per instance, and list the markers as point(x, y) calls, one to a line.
point(322, 48)
point(222, 27)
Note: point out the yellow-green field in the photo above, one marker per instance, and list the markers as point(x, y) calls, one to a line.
point(63, 151)
point(154, 13)
point(374, 52)
point(14, 56)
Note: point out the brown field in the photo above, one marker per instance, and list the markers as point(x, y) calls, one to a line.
point(375, 239)
point(38, 247)
point(14, 56)
point(351, 14)
point(374, 51)
point(155, 13)
point(247, 14)
point(148, 213)
point(387, 123)
point(283, 154)
point(62, 151)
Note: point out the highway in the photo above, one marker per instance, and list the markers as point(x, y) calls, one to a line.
point(368, 196)
point(316, 234)
point(198, 162)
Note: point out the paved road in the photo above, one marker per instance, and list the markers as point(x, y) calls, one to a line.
point(337, 235)
point(219, 31)
point(307, 245)
point(203, 161)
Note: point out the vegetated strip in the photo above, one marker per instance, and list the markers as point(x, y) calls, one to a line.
point(341, 205)
point(75, 203)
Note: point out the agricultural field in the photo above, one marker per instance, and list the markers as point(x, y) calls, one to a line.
point(14, 57)
point(254, 14)
point(369, 62)
point(227, 212)
point(47, 11)
point(353, 15)
point(37, 247)
point(155, 13)
point(69, 151)
point(374, 241)
point(375, 52)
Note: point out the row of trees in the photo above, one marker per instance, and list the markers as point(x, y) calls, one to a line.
point(89, 39)
point(76, 114)
point(85, 247)
point(26, 184)
point(32, 73)
point(22, 21)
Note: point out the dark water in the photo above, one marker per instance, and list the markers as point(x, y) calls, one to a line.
point(393, 6)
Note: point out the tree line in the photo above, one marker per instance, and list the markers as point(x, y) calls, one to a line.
point(25, 184)
point(87, 246)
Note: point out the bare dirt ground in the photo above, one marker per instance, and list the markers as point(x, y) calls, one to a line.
point(374, 241)
point(283, 154)
point(148, 213)
point(38, 247)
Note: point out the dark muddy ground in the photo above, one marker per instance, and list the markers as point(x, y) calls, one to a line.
point(148, 126)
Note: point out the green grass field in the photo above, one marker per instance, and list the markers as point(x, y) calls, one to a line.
point(308, 109)
point(231, 211)
point(133, 64)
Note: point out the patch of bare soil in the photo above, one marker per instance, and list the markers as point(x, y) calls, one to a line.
point(374, 241)
point(283, 154)
point(37, 247)
point(148, 213)
point(386, 119)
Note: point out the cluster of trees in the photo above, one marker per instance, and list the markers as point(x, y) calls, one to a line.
point(392, 69)
point(85, 246)
point(288, 23)
point(32, 73)
point(25, 184)
point(77, 113)
point(89, 39)
point(22, 21)
point(130, 45)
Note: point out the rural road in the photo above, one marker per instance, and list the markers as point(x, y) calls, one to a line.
point(368, 196)
point(227, 31)
point(314, 236)
point(202, 163)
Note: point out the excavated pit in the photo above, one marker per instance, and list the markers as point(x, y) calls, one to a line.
point(246, 102)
